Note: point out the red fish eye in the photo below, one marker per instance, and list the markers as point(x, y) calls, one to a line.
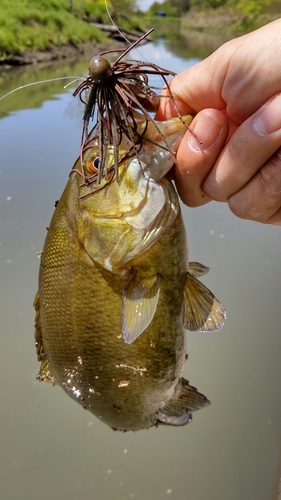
point(92, 165)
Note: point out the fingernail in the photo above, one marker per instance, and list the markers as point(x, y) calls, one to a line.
point(206, 133)
point(269, 119)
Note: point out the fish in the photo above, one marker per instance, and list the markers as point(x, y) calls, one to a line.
point(116, 289)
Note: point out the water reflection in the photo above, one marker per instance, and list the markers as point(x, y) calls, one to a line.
point(48, 443)
point(33, 96)
point(191, 45)
point(186, 44)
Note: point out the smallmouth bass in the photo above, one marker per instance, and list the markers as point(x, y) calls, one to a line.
point(116, 290)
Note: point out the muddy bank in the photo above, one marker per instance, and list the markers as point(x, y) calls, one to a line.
point(54, 53)
point(114, 39)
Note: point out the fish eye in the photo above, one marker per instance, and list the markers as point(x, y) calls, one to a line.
point(92, 164)
point(96, 162)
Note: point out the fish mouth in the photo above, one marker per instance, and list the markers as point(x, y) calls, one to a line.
point(167, 134)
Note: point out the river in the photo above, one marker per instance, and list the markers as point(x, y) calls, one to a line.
point(50, 447)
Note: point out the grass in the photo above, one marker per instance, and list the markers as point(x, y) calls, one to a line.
point(38, 24)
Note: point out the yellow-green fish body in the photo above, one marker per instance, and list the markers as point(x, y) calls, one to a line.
point(116, 291)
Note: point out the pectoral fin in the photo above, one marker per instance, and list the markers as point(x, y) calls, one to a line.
point(178, 410)
point(201, 310)
point(140, 300)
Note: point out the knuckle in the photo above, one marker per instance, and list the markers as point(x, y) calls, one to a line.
point(240, 152)
point(239, 207)
point(251, 208)
point(269, 176)
point(211, 187)
point(261, 197)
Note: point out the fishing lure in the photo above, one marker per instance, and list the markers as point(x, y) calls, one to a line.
point(111, 94)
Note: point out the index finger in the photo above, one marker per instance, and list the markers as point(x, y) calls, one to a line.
point(192, 91)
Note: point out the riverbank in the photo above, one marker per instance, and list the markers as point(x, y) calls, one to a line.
point(227, 22)
point(56, 53)
point(46, 31)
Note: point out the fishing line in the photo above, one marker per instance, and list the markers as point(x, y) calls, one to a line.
point(113, 23)
point(130, 44)
point(73, 81)
point(42, 81)
point(119, 31)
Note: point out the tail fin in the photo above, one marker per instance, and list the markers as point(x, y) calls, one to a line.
point(178, 411)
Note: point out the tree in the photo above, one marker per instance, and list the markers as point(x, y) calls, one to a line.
point(123, 8)
point(208, 4)
point(183, 6)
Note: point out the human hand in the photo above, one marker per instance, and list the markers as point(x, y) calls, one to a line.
point(236, 96)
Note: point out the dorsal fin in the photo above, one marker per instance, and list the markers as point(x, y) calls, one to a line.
point(196, 269)
point(200, 309)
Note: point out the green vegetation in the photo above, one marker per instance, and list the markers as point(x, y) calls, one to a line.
point(231, 17)
point(39, 24)
point(247, 7)
point(172, 8)
point(121, 11)
point(255, 13)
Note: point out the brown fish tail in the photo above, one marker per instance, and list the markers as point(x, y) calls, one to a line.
point(178, 411)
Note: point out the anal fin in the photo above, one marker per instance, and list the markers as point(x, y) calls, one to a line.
point(45, 373)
